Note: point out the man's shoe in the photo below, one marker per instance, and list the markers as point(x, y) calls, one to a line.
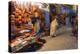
point(54, 36)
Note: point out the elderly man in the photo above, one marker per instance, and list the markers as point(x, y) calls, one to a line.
point(53, 26)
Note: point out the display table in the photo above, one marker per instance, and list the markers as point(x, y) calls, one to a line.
point(19, 43)
point(25, 40)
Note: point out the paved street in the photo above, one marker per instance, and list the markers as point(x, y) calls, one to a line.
point(62, 41)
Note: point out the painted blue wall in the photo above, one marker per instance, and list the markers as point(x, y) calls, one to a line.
point(47, 19)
